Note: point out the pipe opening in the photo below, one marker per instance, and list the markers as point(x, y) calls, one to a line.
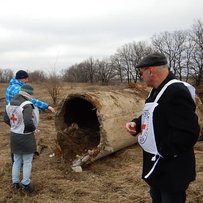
point(79, 127)
point(82, 112)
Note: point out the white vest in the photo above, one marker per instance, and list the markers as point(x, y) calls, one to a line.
point(16, 117)
point(147, 137)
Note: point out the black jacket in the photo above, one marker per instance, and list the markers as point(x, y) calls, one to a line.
point(176, 131)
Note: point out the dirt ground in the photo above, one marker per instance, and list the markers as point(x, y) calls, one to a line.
point(112, 179)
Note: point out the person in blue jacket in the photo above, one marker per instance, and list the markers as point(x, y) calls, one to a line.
point(14, 86)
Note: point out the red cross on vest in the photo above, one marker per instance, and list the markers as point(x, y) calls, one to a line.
point(13, 118)
point(143, 126)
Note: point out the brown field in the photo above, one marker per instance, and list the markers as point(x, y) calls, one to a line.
point(112, 179)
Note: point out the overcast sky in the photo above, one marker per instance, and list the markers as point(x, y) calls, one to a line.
point(48, 34)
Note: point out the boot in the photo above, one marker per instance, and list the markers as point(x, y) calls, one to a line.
point(27, 188)
point(16, 187)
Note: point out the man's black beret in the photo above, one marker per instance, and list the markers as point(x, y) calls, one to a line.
point(155, 59)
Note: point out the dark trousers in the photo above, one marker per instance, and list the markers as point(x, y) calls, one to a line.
point(167, 197)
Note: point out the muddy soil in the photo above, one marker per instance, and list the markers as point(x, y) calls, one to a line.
point(112, 179)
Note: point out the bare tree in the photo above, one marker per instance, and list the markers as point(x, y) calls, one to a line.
point(37, 76)
point(173, 45)
point(190, 73)
point(5, 75)
point(105, 71)
point(197, 56)
point(129, 55)
point(138, 51)
point(124, 55)
point(70, 74)
point(82, 72)
point(75, 73)
point(89, 66)
point(1, 73)
point(117, 66)
point(53, 85)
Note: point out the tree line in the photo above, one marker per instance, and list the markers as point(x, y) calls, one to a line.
point(183, 49)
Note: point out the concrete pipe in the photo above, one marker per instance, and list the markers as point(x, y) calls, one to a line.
point(91, 125)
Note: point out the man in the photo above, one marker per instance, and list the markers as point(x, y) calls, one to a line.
point(15, 84)
point(167, 131)
point(22, 117)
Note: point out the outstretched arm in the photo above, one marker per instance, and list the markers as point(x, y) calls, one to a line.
point(42, 105)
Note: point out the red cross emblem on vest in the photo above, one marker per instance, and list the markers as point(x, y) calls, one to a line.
point(13, 118)
point(143, 126)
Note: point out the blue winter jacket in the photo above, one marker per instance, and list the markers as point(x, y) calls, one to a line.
point(14, 88)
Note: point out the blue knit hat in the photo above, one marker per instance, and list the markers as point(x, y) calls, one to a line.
point(27, 88)
point(21, 74)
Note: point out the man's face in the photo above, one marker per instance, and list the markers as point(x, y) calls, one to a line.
point(145, 73)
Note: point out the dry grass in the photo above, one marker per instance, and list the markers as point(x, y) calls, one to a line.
point(112, 179)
